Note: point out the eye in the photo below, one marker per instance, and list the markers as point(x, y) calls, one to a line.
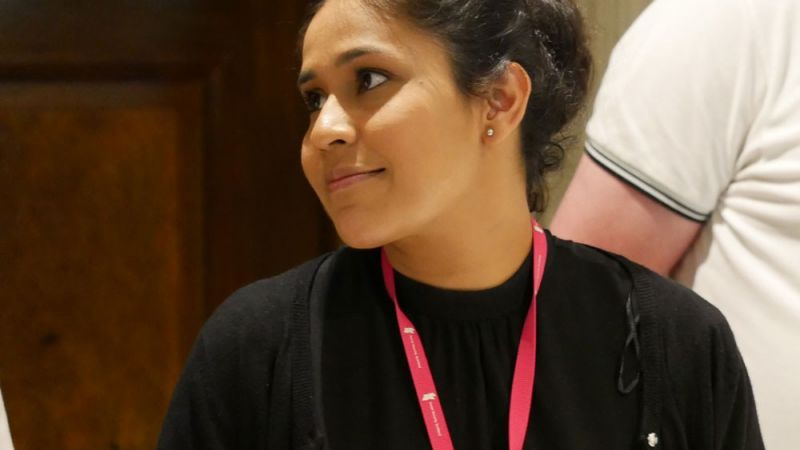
point(370, 79)
point(314, 101)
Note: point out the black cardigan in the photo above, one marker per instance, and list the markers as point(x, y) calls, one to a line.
point(252, 374)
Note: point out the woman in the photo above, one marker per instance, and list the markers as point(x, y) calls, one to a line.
point(430, 131)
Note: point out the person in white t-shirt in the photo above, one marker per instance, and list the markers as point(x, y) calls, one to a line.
point(5, 434)
point(692, 167)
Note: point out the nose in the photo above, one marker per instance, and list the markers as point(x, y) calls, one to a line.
point(333, 126)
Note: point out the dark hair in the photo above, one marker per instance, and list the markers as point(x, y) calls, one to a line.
point(546, 37)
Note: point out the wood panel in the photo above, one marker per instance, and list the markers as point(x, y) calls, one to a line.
point(149, 165)
point(102, 251)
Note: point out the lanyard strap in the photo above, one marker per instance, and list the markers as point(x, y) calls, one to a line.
point(524, 371)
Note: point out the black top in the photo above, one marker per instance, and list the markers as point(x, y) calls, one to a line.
point(471, 339)
point(236, 389)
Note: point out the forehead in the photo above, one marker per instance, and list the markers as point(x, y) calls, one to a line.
point(341, 25)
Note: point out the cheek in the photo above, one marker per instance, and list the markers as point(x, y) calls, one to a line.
point(312, 168)
point(423, 139)
point(405, 130)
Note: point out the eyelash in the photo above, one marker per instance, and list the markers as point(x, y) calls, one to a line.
point(311, 98)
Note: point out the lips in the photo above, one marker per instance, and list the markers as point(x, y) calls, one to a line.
point(344, 177)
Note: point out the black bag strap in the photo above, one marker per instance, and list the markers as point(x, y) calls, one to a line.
point(651, 355)
point(645, 340)
point(307, 430)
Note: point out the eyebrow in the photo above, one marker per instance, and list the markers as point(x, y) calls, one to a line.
point(346, 57)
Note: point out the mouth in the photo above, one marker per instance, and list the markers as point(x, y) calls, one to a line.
point(345, 179)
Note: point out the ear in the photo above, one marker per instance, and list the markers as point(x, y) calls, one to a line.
point(506, 103)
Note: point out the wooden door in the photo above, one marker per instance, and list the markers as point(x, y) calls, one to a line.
point(149, 165)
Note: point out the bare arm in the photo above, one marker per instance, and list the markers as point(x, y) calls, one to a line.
point(601, 210)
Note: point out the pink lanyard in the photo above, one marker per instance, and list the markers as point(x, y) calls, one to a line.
point(522, 384)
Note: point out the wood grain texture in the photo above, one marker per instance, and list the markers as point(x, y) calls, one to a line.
point(100, 260)
point(149, 166)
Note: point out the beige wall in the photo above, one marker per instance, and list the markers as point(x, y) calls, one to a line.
point(606, 20)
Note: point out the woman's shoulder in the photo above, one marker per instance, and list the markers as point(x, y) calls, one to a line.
point(694, 337)
point(585, 276)
point(676, 304)
point(238, 371)
point(260, 311)
point(685, 340)
point(264, 304)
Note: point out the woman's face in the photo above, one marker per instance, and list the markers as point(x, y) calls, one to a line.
point(393, 147)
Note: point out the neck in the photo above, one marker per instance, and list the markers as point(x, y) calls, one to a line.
point(479, 252)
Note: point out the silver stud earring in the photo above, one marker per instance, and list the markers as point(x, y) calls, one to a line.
point(490, 132)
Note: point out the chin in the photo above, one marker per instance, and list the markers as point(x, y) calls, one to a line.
point(360, 239)
point(362, 234)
